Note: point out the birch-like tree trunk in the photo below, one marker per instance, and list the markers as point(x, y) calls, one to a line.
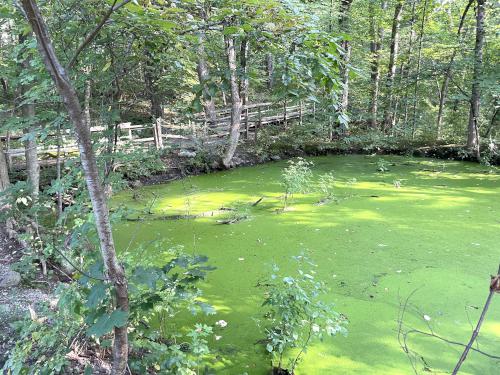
point(475, 100)
point(391, 69)
point(236, 106)
point(114, 271)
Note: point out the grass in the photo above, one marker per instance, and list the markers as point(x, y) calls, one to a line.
point(437, 236)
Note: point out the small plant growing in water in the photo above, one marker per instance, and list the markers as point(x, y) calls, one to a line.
point(295, 314)
point(326, 185)
point(296, 177)
point(382, 165)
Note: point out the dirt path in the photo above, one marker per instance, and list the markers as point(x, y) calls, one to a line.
point(15, 299)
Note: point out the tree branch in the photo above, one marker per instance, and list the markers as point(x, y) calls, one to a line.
point(96, 30)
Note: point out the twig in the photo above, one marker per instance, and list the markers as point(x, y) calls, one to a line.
point(96, 30)
point(494, 287)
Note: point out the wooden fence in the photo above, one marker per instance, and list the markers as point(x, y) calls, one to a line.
point(164, 133)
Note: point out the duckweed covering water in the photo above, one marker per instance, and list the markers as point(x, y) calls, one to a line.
point(435, 234)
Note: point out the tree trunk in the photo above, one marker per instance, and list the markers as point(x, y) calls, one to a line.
point(443, 92)
point(236, 106)
point(156, 110)
point(244, 83)
point(4, 170)
point(345, 6)
point(377, 35)
point(475, 100)
point(405, 69)
point(270, 70)
point(391, 70)
point(30, 144)
point(114, 271)
point(417, 73)
point(204, 76)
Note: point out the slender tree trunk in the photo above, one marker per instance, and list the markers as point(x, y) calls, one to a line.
point(156, 110)
point(345, 7)
point(475, 100)
point(204, 76)
point(114, 271)
point(4, 170)
point(236, 106)
point(377, 35)
point(244, 83)
point(443, 92)
point(391, 70)
point(405, 68)
point(417, 73)
point(30, 144)
point(270, 70)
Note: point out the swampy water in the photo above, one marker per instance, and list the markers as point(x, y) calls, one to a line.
point(424, 234)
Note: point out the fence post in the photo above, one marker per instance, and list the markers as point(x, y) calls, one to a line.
point(284, 115)
point(246, 123)
point(155, 136)
point(258, 124)
point(300, 112)
point(159, 131)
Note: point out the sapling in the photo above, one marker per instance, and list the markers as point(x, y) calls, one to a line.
point(295, 178)
point(295, 314)
point(326, 186)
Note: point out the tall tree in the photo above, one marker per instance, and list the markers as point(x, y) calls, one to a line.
point(30, 144)
point(443, 92)
point(244, 82)
point(419, 65)
point(203, 77)
point(391, 69)
point(475, 100)
point(377, 36)
point(4, 170)
point(114, 271)
point(236, 105)
point(345, 7)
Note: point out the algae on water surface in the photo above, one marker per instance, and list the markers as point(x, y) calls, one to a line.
point(436, 232)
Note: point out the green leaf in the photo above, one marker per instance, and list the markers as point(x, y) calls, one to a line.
point(96, 295)
point(106, 322)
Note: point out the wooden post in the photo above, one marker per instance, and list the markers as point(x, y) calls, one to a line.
point(159, 132)
point(155, 136)
point(258, 124)
point(314, 110)
point(246, 123)
point(300, 112)
point(284, 114)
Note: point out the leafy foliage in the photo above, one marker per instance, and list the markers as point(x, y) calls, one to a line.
point(295, 313)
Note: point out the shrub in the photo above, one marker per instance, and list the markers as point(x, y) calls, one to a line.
point(295, 313)
point(296, 177)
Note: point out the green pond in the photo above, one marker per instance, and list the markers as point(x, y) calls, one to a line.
point(433, 241)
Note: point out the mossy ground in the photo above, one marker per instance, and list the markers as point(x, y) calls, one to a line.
point(437, 236)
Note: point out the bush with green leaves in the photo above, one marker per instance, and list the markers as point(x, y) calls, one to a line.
point(326, 184)
point(296, 178)
point(295, 314)
point(84, 315)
